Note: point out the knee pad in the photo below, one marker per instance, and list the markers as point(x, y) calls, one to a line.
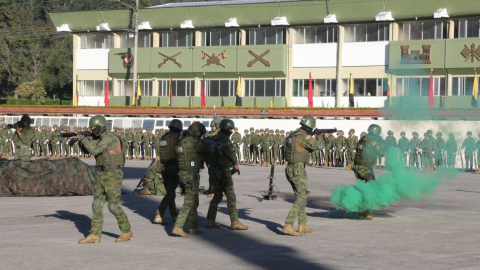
point(114, 208)
point(97, 205)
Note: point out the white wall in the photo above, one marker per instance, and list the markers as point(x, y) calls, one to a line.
point(91, 101)
point(92, 59)
point(365, 54)
point(329, 102)
point(314, 55)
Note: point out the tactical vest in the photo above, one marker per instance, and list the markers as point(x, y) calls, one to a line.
point(359, 159)
point(188, 158)
point(111, 159)
point(167, 147)
point(217, 158)
point(295, 152)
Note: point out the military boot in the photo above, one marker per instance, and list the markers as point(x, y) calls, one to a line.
point(478, 170)
point(90, 239)
point(159, 220)
point(196, 231)
point(179, 232)
point(237, 225)
point(288, 229)
point(124, 237)
point(304, 229)
point(146, 191)
point(212, 224)
point(367, 215)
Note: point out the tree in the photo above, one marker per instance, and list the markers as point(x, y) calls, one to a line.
point(32, 90)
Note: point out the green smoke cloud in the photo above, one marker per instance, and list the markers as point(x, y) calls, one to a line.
point(397, 184)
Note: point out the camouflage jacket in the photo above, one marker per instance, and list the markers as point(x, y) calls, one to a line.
point(247, 140)
point(415, 143)
point(352, 142)
point(403, 144)
point(236, 138)
point(440, 144)
point(451, 146)
point(469, 144)
point(226, 156)
point(23, 142)
point(390, 142)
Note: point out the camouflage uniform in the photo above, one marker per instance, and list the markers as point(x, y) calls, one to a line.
point(281, 146)
point(222, 181)
point(153, 180)
point(404, 147)
point(237, 141)
point(477, 146)
point(247, 141)
point(22, 144)
point(452, 148)
point(368, 149)
point(55, 141)
point(439, 147)
point(65, 151)
point(36, 142)
point(156, 143)
point(130, 142)
point(390, 143)
point(137, 141)
point(414, 147)
point(340, 146)
point(469, 146)
point(352, 141)
point(428, 150)
point(267, 146)
point(190, 178)
point(256, 143)
point(298, 144)
point(329, 144)
point(276, 142)
point(148, 140)
point(108, 185)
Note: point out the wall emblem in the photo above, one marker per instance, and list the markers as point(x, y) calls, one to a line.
point(170, 58)
point(214, 59)
point(259, 58)
point(471, 53)
point(128, 60)
point(416, 57)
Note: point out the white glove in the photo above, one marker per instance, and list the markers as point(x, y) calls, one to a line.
point(58, 142)
point(129, 141)
point(280, 146)
point(354, 151)
point(270, 147)
point(37, 141)
point(331, 151)
point(433, 152)
point(405, 152)
point(6, 140)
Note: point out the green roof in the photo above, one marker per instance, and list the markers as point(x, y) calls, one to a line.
point(252, 15)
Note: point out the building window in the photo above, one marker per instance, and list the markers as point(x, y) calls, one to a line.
point(146, 87)
point(180, 88)
point(366, 32)
point(177, 39)
point(265, 36)
point(92, 88)
point(220, 88)
point(321, 87)
point(368, 87)
point(96, 40)
point(309, 35)
point(219, 37)
point(422, 30)
point(462, 86)
point(469, 28)
point(265, 88)
point(127, 40)
point(420, 86)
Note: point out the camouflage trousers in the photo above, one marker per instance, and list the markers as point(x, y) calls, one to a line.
point(36, 148)
point(276, 154)
point(55, 149)
point(222, 182)
point(256, 154)
point(65, 149)
point(328, 156)
point(148, 150)
point(364, 173)
point(297, 177)
point(170, 180)
point(237, 151)
point(267, 154)
point(315, 156)
point(413, 159)
point(23, 153)
point(136, 149)
point(75, 149)
point(468, 159)
point(438, 159)
point(451, 159)
point(246, 153)
point(155, 186)
point(43, 148)
point(190, 180)
point(427, 159)
point(350, 156)
point(108, 190)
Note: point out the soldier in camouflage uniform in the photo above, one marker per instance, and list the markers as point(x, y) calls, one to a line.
point(469, 146)
point(191, 152)
point(36, 142)
point(477, 146)
point(390, 143)
point(247, 141)
point(329, 145)
point(148, 139)
point(4, 143)
point(439, 148)
point(215, 128)
point(276, 151)
point(156, 143)
point(168, 158)
point(107, 150)
point(63, 144)
point(137, 143)
point(404, 147)
point(220, 163)
point(452, 148)
point(298, 146)
point(42, 137)
point(55, 142)
point(152, 181)
point(267, 146)
point(340, 148)
point(23, 138)
point(368, 149)
point(256, 144)
point(428, 151)
point(236, 141)
point(130, 147)
point(281, 146)
point(352, 141)
point(315, 155)
point(414, 147)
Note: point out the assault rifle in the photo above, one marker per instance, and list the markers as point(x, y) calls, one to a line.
point(217, 145)
point(234, 171)
point(71, 142)
point(318, 131)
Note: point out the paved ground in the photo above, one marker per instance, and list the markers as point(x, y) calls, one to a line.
point(440, 232)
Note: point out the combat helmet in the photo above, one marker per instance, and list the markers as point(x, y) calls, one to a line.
point(374, 129)
point(363, 134)
point(245, 131)
point(351, 130)
point(403, 133)
point(226, 124)
point(308, 121)
point(469, 133)
point(176, 124)
point(277, 130)
point(197, 129)
point(451, 136)
point(389, 132)
point(415, 133)
point(97, 121)
point(429, 131)
point(439, 134)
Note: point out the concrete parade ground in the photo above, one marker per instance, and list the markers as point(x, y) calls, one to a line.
point(439, 232)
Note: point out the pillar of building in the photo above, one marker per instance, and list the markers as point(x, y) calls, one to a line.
point(155, 39)
point(76, 46)
point(449, 78)
point(288, 79)
point(339, 94)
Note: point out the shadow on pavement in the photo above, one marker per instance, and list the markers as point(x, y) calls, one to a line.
point(82, 222)
point(237, 243)
point(468, 191)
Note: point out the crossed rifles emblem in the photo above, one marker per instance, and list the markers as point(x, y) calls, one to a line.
point(170, 58)
point(214, 59)
point(259, 58)
point(471, 53)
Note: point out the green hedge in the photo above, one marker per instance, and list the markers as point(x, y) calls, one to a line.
point(20, 102)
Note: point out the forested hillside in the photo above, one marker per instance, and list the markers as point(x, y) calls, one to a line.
point(32, 51)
